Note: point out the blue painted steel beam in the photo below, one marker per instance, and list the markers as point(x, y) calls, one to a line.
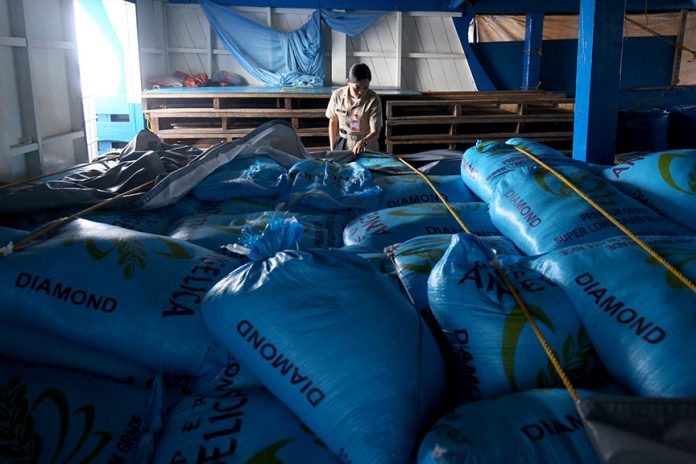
point(666, 98)
point(597, 86)
point(534, 29)
point(559, 6)
point(481, 79)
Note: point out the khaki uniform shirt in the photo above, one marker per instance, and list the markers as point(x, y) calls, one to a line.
point(368, 109)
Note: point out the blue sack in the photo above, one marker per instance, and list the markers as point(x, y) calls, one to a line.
point(329, 186)
point(415, 258)
point(32, 345)
point(223, 381)
point(236, 206)
point(640, 317)
point(35, 219)
point(246, 426)
point(411, 189)
point(538, 426)
point(243, 178)
point(215, 231)
point(378, 162)
point(186, 206)
point(493, 349)
point(52, 415)
point(345, 351)
point(487, 163)
point(379, 260)
point(385, 227)
point(151, 222)
point(8, 234)
point(135, 295)
point(664, 181)
point(539, 213)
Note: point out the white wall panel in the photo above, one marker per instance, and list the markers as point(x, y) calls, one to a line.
point(40, 107)
point(5, 28)
point(432, 58)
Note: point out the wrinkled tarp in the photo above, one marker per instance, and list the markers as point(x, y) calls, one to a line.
point(175, 169)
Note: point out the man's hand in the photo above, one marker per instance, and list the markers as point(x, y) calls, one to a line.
point(359, 147)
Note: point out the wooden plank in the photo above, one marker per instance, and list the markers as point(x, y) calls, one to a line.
point(235, 113)
point(442, 138)
point(480, 101)
point(482, 118)
point(203, 132)
point(204, 94)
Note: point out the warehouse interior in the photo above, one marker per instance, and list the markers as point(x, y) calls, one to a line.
point(319, 231)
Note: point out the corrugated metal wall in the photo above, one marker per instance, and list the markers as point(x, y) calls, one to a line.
point(430, 56)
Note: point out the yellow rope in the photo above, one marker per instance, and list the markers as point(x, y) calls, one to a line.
point(657, 34)
point(544, 344)
point(148, 122)
point(442, 199)
point(614, 221)
point(552, 357)
point(25, 242)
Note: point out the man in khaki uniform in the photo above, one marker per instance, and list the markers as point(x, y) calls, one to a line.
point(355, 113)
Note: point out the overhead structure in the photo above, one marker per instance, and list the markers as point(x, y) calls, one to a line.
point(598, 80)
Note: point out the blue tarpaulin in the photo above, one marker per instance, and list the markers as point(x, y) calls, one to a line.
point(293, 58)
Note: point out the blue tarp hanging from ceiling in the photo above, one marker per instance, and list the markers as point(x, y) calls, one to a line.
point(281, 58)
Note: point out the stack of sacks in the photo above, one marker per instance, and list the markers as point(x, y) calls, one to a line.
point(664, 181)
point(235, 206)
point(494, 350)
point(244, 178)
point(245, 426)
point(54, 415)
point(386, 227)
point(638, 315)
point(379, 260)
point(415, 258)
point(155, 222)
point(215, 231)
point(412, 189)
point(128, 294)
point(330, 187)
point(222, 382)
point(538, 212)
point(485, 164)
point(336, 343)
point(540, 426)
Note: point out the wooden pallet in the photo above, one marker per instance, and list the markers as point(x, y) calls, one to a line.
point(201, 118)
point(457, 121)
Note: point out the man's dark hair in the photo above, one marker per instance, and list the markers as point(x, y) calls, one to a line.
point(359, 72)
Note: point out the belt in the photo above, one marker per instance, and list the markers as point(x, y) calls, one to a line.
point(346, 135)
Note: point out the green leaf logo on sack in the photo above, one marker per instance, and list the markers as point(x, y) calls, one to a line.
point(18, 441)
point(268, 454)
point(428, 257)
point(591, 185)
point(131, 252)
point(497, 149)
point(577, 353)
point(677, 257)
point(665, 163)
point(514, 323)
